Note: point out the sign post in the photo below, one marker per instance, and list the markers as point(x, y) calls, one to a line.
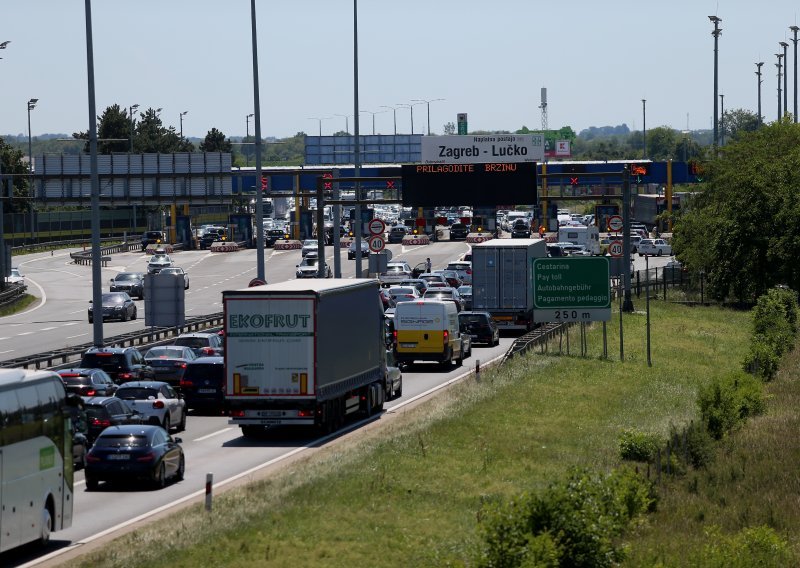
point(461, 119)
point(571, 289)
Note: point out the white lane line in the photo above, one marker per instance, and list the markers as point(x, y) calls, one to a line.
point(79, 335)
point(47, 328)
point(69, 323)
point(26, 333)
point(78, 312)
point(218, 432)
point(4, 352)
point(2, 338)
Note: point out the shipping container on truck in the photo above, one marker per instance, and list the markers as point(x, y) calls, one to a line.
point(502, 280)
point(303, 352)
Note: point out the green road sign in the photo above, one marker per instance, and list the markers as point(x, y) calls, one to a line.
point(571, 289)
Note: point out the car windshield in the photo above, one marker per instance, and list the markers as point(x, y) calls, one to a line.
point(192, 342)
point(201, 372)
point(121, 441)
point(309, 261)
point(159, 258)
point(172, 271)
point(137, 393)
point(165, 353)
point(111, 299)
point(74, 379)
point(465, 289)
point(401, 290)
point(102, 361)
point(396, 269)
point(126, 276)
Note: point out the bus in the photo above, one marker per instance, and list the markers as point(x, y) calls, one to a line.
point(36, 469)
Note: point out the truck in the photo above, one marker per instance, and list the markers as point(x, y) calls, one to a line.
point(502, 280)
point(588, 237)
point(303, 352)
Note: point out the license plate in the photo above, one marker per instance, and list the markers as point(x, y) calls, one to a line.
point(408, 345)
point(269, 422)
point(206, 391)
point(119, 456)
point(270, 413)
point(162, 369)
point(474, 336)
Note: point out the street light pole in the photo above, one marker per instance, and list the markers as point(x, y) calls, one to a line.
point(247, 138)
point(181, 117)
point(427, 102)
point(394, 114)
point(318, 119)
point(411, 108)
point(257, 111)
point(722, 120)
point(716, 33)
point(644, 129)
point(31, 106)
point(133, 122)
point(779, 66)
point(785, 46)
point(356, 145)
point(346, 118)
point(373, 118)
point(758, 73)
point(794, 40)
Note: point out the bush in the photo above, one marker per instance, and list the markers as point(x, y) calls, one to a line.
point(775, 319)
point(576, 522)
point(638, 446)
point(699, 445)
point(728, 401)
point(754, 546)
point(761, 359)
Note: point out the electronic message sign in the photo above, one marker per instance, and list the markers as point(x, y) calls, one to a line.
point(487, 184)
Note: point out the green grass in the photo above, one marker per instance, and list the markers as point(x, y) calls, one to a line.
point(410, 494)
point(18, 306)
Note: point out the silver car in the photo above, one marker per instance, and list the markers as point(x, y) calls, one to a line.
point(158, 262)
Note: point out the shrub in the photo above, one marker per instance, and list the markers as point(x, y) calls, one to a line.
point(775, 318)
point(576, 522)
point(699, 445)
point(761, 359)
point(638, 446)
point(752, 546)
point(729, 400)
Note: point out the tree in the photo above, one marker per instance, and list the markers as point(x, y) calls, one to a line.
point(661, 143)
point(215, 141)
point(734, 122)
point(743, 229)
point(115, 128)
point(449, 128)
point(14, 167)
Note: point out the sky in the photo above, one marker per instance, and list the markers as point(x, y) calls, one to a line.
point(489, 59)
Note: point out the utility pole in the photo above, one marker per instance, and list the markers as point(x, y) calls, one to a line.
point(716, 33)
point(758, 73)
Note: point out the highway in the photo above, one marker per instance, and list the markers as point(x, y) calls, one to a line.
point(210, 443)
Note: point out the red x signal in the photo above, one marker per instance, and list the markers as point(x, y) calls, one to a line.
point(263, 183)
point(573, 181)
point(389, 184)
point(327, 184)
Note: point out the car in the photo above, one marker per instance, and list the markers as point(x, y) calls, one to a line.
point(463, 269)
point(395, 272)
point(169, 362)
point(571, 249)
point(654, 247)
point(130, 282)
point(521, 229)
point(105, 411)
point(153, 238)
point(418, 283)
point(203, 384)
point(451, 277)
point(115, 305)
point(121, 363)
point(394, 377)
point(396, 234)
point(431, 277)
point(386, 299)
point(458, 232)
point(351, 250)
point(132, 452)
point(465, 290)
point(87, 382)
point(445, 294)
point(403, 293)
point(635, 239)
point(674, 264)
point(480, 326)
point(309, 267)
point(203, 343)
point(639, 229)
point(177, 272)
point(309, 246)
point(466, 345)
point(16, 277)
point(158, 262)
point(157, 401)
point(212, 235)
point(272, 236)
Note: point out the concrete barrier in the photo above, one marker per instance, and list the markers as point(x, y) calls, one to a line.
point(411, 240)
point(288, 245)
point(151, 249)
point(479, 237)
point(224, 247)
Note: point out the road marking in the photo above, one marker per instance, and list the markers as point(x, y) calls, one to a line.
point(78, 312)
point(26, 333)
point(70, 323)
point(4, 352)
point(211, 435)
point(47, 328)
point(79, 335)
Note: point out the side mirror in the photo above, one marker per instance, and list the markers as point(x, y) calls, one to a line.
point(178, 440)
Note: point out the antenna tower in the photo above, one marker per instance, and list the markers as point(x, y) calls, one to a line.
point(543, 106)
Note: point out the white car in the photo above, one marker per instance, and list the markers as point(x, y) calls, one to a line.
point(16, 277)
point(395, 272)
point(177, 271)
point(157, 401)
point(309, 267)
point(309, 245)
point(654, 247)
point(463, 268)
point(158, 262)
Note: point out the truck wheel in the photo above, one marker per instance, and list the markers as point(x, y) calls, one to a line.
point(250, 431)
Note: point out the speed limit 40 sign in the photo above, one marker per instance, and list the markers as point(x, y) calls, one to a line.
point(376, 243)
point(615, 248)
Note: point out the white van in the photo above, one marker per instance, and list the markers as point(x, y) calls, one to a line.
point(427, 330)
point(588, 237)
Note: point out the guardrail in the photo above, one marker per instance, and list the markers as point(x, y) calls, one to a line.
point(85, 256)
point(12, 293)
point(133, 339)
point(538, 336)
point(48, 245)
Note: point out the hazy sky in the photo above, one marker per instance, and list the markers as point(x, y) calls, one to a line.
point(488, 58)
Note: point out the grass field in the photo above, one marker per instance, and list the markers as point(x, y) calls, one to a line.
point(409, 494)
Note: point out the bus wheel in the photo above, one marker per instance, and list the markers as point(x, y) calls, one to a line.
point(47, 526)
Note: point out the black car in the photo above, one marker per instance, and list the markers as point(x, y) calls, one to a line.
point(203, 384)
point(105, 411)
point(130, 282)
point(212, 235)
point(458, 232)
point(121, 363)
point(203, 343)
point(396, 234)
point(480, 327)
point(88, 382)
point(272, 236)
point(116, 305)
point(141, 452)
point(169, 362)
point(152, 238)
point(521, 229)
